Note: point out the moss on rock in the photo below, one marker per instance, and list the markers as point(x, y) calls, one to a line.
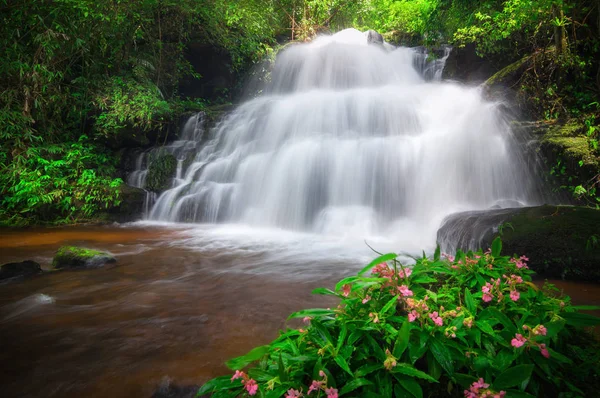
point(160, 172)
point(559, 240)
point(73, 257)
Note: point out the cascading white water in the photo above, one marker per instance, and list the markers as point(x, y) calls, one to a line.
point(351, 139)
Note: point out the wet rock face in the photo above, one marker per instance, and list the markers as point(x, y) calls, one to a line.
point(560, 241)
point(25, 268)
point(78, 257)
point(374, 37)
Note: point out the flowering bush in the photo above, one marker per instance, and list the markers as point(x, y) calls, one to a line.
point(470, 325)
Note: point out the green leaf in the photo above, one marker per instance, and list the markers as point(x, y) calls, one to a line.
point(343, 364)
point(378, 260)
point(353, 385)
point(577, 319)
point(586, 307)
point(402, 340)
point(391, 303)
point(496, 247)
point(243, 361)
point(315, 312)
point(442, 355)
point(513, 377)
point(218, 383)
point(282, 373)
point(367, 369)
point(412, 386)
point(341, 337)
point(504, 320)
point(469, 302)
point(423, 279)
point(436, 255)
point(410, 370)
point(324, 291)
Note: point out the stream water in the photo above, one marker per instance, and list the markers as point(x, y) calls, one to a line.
point(351, 143)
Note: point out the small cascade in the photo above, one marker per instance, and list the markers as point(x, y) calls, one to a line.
point(184, 150)
point(430, 67)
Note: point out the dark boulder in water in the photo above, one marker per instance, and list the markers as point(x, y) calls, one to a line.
point(560, 241)
point(78, 257)
point(24, 268)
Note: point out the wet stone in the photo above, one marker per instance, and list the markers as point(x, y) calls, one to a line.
point(77, 257)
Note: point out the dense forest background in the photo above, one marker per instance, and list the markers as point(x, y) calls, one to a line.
point(80, 79)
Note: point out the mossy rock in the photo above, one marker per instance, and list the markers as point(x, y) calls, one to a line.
point(160, 172)
point(77, 257)
point(569, 139)
point(560, 241)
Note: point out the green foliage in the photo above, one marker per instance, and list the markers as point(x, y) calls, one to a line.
point(433, 329)
point(160, 172)
point(58, 182)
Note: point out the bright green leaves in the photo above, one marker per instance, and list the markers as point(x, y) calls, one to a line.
point(381, 259)
point(513, 377)
point(496, 247)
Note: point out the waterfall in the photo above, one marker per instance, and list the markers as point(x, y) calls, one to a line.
point(352, 138)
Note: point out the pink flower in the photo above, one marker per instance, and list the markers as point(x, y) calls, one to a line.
point(405, 274)
point(518, 341)
point(544, 351)
point(523, 258)
point(487, 297)
point(436, 318)
point(479, 384)
point(406, 292)
point(468, 322)
point(307, 319)
point(331, 392)
point(315, 386)
point(251, 386)
point(238, 375)
point(413, 315)
point(346, 290)
point(366, 299)
point(322, 373)
point(487, 288)
point(540, 330)
point(291, 393)
point(514, 295)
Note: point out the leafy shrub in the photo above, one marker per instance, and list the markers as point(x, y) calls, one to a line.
point(472, 325)
point(57, 183)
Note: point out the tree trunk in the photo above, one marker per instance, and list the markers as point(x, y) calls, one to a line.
point(560, 34)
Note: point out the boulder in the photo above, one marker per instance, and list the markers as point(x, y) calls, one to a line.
point(24, 268)
point(560, 241)
point(374, 37)
point(131, 208)
point(78, 257)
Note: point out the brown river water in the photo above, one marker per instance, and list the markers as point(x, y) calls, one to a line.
point(180, 301)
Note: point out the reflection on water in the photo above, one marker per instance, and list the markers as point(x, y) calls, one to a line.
point(180, 301)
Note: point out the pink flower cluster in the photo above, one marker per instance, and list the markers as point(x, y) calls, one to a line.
point(540, 330)
point(249, 384)
point(520, 262)
point(479, 389)
point(384, 271)
point(436, 318)
point(494, 289)
point(489, 289)
point(321, 385)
